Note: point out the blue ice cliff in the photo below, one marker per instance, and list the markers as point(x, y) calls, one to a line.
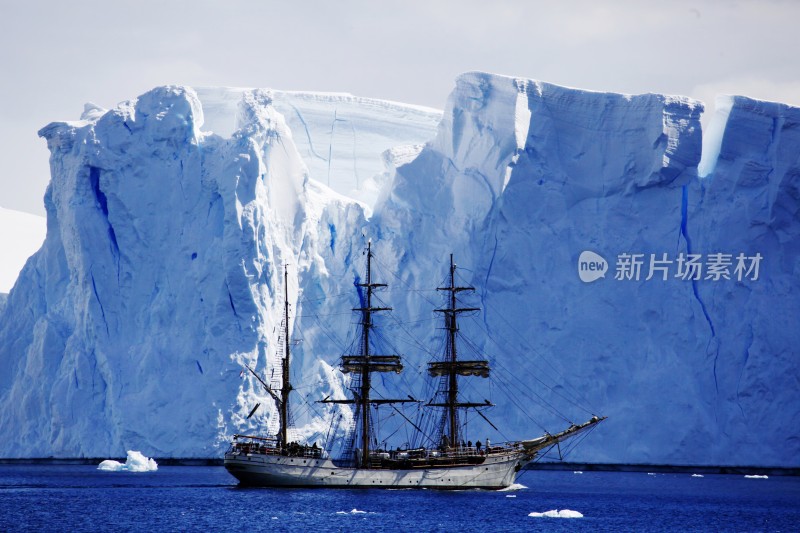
point(161, 272)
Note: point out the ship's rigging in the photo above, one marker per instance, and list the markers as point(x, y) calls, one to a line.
point(450, 367)
point(362, 365)
point(439, 422)
point(367, 460)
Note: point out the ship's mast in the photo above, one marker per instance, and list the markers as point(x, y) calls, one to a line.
point(451, 367)
point(452, 328)
point(365, 373)
point(286, 387)
point(282, 400)
point(366, 363)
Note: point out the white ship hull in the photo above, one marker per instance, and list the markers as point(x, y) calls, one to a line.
point(496, 472)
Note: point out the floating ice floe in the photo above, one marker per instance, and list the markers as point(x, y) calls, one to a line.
point(515, 486)
point(135, 462)
point(757, 477)
point(563, 513)
point(697, 475)
point(511, 495)
point(578, 472)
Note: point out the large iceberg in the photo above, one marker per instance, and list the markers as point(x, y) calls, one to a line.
point(159, 277)
point(161, 273)
point(525, 176)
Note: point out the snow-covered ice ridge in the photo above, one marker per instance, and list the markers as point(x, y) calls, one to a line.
point(344, 140)
point(160, 275)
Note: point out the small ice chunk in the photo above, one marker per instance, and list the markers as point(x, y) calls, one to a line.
point(757, 477)
point(511, 495)
point(697, 475)
point(577, 472)
point(135, 462)
point(563, 513)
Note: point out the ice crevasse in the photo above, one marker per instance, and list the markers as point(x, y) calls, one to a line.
point(161, 272)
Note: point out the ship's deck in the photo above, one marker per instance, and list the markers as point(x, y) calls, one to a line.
point(397, 459)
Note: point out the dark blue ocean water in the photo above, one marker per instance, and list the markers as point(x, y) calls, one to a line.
point(81, 498)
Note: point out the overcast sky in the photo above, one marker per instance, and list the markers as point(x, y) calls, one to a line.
point(57, 55)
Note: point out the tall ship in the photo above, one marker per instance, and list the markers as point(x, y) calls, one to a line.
point(442, 458)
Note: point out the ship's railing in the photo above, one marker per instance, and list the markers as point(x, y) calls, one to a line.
point(255, 445)
point(457, 452)
point(471, 451)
